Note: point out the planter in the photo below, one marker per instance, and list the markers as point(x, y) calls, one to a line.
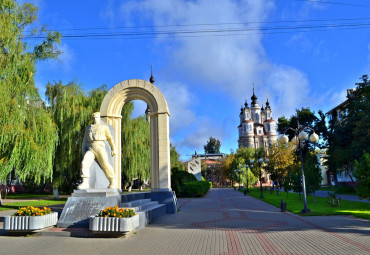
point(112, 224)
point(29, 223)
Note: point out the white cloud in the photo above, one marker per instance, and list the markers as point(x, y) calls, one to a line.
point(66, 57)
point(108, 12)
point(179, 100)
point(228, 64)
point(204, 128)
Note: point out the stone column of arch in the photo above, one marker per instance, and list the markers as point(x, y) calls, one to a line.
point(110, 112)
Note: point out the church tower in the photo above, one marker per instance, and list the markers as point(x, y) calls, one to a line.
point(257, 128)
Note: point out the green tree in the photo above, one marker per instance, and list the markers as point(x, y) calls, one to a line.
point(362, 174)
point(28, 136)
point(281, 157)
point(175, 158)
point(349, 134)
point(213, 146)
point(312, 173)
point(71, 108)
point(135, 147)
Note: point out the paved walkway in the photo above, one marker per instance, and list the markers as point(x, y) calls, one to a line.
point(224, 222)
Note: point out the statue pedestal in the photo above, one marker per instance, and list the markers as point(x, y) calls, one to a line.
point(86, 203)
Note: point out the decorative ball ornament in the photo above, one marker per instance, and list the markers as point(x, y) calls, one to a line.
point(260, 160)
point(303, 136)
point(294, 140)
point(284, 139)
point(252, 161)
point(314, 137)
point(267, 160)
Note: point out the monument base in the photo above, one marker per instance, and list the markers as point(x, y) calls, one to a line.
point(165, 197)
point(86, 203)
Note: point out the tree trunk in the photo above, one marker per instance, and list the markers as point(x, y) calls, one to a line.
point(1, 203)
point(350, 176)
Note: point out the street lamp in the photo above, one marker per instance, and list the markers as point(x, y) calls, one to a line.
point(246, 169)
point(300, 135)
point(260, 161)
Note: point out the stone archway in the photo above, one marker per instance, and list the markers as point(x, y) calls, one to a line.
point(110, 111)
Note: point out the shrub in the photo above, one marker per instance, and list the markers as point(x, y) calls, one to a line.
point(210, 185)
point(344, 189)
point(178, 180)
point(197, 188)
point(32, 211)
point(117, 212)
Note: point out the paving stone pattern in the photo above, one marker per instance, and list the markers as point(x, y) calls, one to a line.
point(224, 222)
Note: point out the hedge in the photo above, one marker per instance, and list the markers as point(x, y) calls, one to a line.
point(197, 189)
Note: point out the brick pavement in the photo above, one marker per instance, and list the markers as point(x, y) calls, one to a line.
point(224, 222)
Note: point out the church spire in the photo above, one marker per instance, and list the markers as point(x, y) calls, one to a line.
point(254, 98)
point(267, 102)
point(246, 103)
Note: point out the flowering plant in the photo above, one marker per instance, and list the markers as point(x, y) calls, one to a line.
point(117, 212)
point(32, 211)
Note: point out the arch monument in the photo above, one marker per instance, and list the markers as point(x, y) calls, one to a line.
point(110, 112)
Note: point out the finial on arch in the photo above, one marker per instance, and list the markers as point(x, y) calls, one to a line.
point(151, 79)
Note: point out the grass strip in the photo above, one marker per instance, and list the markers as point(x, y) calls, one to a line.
point(321, 207)
point(27, 196)
point(36, 203)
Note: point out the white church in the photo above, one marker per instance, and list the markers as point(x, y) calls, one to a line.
point(257, 129)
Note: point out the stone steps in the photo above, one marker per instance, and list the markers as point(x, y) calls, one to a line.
point(147, 209)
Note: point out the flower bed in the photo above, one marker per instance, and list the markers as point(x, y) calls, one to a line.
point(30, 218)
point(114, 219)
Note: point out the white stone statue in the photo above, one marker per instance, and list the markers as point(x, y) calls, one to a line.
point(94, 140)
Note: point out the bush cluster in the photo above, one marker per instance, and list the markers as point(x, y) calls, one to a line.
point(179, 179)
point(32, 211)
point(197, 188)
point(117, 212)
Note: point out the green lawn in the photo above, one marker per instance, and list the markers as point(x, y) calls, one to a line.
point(37, 203)
point(27, 196)
point(321, 207)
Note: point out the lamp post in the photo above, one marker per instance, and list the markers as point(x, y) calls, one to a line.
point(300, 135)
point(260, 161)
point(246, 169)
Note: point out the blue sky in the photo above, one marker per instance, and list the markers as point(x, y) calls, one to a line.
point(205, 76)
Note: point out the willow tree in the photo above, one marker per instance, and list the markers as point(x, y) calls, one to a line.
point(71, 108)
point(28, 136)
point(135, 147)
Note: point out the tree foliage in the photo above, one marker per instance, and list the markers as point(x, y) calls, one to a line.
point(281, 158)
point(349, 134)
point(135, 146)
point(213, 146)
point(306, 118)
point(312, 173)
point(28, 136)
point(362, 174)
point(71, 109)
point(175, 158)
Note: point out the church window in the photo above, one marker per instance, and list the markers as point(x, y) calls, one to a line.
point(245, 129)
point(268, 128)
point(250, 127)
point(257, 117)
point(260, 131)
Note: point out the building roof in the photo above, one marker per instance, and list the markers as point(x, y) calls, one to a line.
point(343, 104)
